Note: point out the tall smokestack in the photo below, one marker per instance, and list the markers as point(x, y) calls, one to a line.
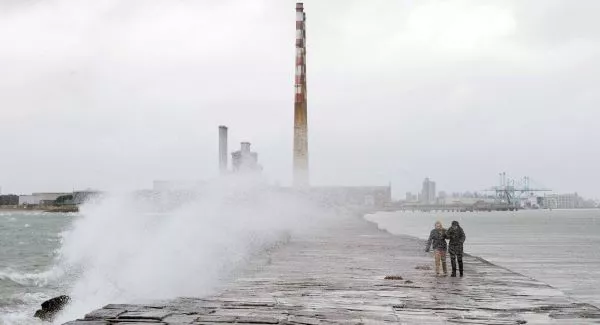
point(223, 149)
point(301, 175)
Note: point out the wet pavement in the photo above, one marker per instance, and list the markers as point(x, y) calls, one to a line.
point(338, 276)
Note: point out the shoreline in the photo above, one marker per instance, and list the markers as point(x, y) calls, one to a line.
point(41, 209)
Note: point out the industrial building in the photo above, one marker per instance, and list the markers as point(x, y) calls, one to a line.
point(174, 185)
point(245, 160)
point(242, 161)
point(9, 199)
point(40, 198)
point(48, 199)
point(369, 196)
point(562, 201)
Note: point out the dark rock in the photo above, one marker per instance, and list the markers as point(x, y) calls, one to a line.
point(393, 277)
point(51, 307)
point(43, 315)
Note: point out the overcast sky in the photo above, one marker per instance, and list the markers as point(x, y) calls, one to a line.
point(113, 94)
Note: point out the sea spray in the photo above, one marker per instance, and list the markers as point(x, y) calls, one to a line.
point(122, 250)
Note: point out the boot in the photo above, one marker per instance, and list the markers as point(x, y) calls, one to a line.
point(460, 266)
point(453, 262)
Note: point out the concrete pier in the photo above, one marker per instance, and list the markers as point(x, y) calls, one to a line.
point(338, 277)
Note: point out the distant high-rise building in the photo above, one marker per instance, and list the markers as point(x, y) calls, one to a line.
point(411, 197)
point(428, 191)
point(432, 192)
point(425, 191)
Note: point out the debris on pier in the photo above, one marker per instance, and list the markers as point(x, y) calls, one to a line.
point(393, 277)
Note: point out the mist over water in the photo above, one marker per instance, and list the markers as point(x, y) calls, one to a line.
point(125, 249)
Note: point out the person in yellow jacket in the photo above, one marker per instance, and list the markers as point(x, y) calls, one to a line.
point(437, 241)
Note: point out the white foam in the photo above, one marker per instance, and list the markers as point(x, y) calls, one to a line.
point(20, 308)
point(122, 253)
point(40, 279)
point(21, 317)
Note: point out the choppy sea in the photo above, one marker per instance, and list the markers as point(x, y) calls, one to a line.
point(29, 242)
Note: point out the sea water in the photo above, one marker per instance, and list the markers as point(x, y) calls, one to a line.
point(28, 241)
point(558, 247)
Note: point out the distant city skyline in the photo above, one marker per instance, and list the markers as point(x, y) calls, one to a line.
point(535, 197)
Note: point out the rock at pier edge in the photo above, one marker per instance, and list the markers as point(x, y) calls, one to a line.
point(51, 307)
point(338, 277)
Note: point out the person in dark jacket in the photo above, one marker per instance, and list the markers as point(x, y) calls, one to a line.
point(437, 241)
point(457, 237)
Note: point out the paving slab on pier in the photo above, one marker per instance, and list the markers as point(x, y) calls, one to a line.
point(337, 277)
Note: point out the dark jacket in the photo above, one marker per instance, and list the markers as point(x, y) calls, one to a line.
point(437, 240)
point(457, 237)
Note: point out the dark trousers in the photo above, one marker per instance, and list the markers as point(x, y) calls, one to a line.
point(456, 258)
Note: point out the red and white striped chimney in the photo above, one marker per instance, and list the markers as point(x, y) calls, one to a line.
point(301, 175)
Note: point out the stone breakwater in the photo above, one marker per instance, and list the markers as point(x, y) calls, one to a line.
point(338, 276)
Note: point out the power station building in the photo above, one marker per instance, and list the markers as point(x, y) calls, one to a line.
point(245, 160)
point(369, 196)
point(242, 161)
point(378, 196)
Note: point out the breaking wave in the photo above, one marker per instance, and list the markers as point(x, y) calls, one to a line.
point(127, 249)
point(27, 299)
point(41, 279)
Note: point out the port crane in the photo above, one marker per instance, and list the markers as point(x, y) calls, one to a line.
point(511, 191)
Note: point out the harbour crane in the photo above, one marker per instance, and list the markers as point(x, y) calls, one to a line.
point(511, 191)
